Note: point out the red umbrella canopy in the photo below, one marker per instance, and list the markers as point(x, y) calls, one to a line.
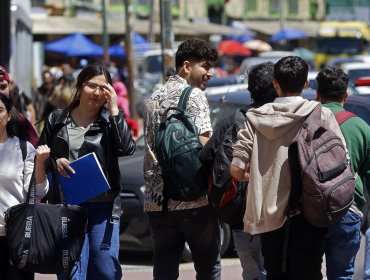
point(231, 47)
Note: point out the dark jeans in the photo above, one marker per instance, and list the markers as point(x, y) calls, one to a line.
point(8, 271)
point(198, 227)
point(342, 243)
point(305, 247)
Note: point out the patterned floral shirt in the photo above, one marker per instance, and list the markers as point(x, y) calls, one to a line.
point(168, 96)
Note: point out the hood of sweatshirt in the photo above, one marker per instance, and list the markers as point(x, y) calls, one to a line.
point(275, 119)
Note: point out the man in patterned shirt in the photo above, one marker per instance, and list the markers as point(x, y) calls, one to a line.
point(186, 221)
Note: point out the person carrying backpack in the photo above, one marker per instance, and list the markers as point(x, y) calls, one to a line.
point(178, 215)
point(342, 240)
point(262, 91)
point(292, 248)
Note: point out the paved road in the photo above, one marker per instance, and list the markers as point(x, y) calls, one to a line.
point(231, 270)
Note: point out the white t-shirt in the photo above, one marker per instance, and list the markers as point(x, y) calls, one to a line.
point(15, 176)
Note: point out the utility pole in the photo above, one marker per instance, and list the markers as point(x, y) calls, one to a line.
point(282, 14)
point(151, 38)
point(166, 32)
point(130, 56)
point(105, 31)
point(5, 33)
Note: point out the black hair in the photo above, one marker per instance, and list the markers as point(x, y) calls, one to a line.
point(290, 73)
point(260, 83)
point(332, 83)
point(7, 102)
point(8, 106)
point(86, 75)
point(195, 50)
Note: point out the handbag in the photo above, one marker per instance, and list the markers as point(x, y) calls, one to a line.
point(42, 237)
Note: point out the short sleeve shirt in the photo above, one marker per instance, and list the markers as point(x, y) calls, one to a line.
point(168, 96)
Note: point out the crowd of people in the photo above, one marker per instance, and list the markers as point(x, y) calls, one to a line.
point(91, 114)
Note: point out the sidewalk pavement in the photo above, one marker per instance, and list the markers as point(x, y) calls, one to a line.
point(231, 270)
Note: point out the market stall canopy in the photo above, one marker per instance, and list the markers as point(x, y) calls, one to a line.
point(117, 51)
point(231, 47)
point(140, 45)
point(288, 34)
point(75, 44)
point(258, 46)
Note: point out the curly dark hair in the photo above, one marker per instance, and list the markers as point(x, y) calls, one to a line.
point(290, 73)
point(195, 50)
point(260, 83)
point(332, 83)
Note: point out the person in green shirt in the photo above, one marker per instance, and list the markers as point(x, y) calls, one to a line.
point(342, 240)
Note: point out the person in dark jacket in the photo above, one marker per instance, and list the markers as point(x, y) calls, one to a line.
point(262, 91)
point(93, 123)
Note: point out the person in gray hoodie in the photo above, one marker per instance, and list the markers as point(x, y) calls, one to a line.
point(293, 248)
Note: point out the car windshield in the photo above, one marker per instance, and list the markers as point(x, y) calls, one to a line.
point(338, 45)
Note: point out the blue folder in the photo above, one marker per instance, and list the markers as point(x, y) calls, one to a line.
point(87, 182)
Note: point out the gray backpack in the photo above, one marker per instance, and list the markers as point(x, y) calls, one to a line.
point(322, 180)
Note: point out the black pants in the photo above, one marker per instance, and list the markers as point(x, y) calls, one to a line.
point(198, 227)
point(304, 251)
point(8, 271)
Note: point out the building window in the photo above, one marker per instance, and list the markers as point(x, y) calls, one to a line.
point(251, 5)
point(38, 2)
point(292, 7)
point(274, 7)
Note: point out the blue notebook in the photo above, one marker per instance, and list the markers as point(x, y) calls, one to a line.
point(87, 182)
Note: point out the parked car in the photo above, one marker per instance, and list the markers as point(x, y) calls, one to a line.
point(134, 230)
point(361, 86)
point(356, 70)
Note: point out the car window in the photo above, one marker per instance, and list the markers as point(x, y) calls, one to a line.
point(359, 110)
point(220, 110)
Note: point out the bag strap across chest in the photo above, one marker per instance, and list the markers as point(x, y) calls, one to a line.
point(184, 98)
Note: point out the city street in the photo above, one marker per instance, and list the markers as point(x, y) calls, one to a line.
point(231, 270)
point(137, 266)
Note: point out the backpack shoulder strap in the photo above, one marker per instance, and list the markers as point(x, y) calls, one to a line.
point(23, 146)
point(343, 115)
point(184, 98)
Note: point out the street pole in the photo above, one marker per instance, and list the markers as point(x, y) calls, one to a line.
point(130, 56)
point(105, 31)
point(151, 38)
point(166, 32)
point(282, 14)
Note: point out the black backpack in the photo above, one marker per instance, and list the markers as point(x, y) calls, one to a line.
point(322, 180)
point(177, 148)
point(226, 195)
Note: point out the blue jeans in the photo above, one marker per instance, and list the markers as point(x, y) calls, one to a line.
point(198, 227)
point(248, 248)
point(100, 252)
point(367, 256)
point(342, 242)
